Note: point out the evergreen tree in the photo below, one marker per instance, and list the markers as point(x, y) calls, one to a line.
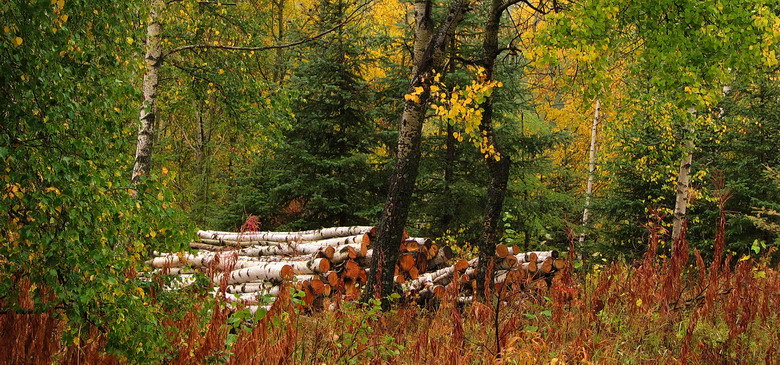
point(320, 173)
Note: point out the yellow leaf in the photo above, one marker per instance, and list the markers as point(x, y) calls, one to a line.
point(17, 41)
point(60, 4)
point(6, 30)
point(639, 302)
point(129, 40)
point(153, 233)
point(160, 196)
point(164, 170)
point(221, 71)
point(76, 340)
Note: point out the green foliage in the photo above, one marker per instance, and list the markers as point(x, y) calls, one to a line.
point(69, 223)
point(320, 173)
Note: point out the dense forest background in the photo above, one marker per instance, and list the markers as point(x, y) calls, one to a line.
point(289, 111)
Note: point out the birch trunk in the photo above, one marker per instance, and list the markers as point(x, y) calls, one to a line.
point(591, 169)
point(683, 181)
point(147, 117)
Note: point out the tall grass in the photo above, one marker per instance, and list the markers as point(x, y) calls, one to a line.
point(668, 310)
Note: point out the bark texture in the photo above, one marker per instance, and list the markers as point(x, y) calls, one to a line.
point(683, 181)
point(429, 48)
point(591, 168)
point(147, 117)
point(498, 168)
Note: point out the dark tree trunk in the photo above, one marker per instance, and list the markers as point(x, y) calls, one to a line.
point(429, 49)
point(498, 168)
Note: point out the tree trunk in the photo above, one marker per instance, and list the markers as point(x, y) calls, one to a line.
point(683, 181)
point(428, 55)
point(498, 165)
point(143, 153)
point(279, 68)
point(591, 170)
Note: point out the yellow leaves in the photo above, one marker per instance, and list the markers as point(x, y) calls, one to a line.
point(457, 136)
point(52, 189)
point(17, 41)
point(165, 170)
point(6, 30)
point(153, 233)
point(639, 302)
point(129, 40)
point(221, 71)
point(413, 98)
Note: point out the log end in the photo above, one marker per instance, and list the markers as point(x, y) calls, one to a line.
point(287, 272)
point(502, 251)
point(461, 265)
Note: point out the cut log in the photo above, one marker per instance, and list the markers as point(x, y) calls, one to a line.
point(260, 287)
point(400, 278)
point(413, 273)
point(441, 255)
point(315, 266)
point(332, 278)
point(406, 262)
point(547, 265)
point(502, 251)
point(274, 271)
point(352, 270)
point(313, 235)
point(461, 265)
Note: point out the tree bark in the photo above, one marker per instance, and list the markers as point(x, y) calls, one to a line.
point(591, 169)
point(683, 181)
point(147, 117)
point(498, 168)
point(429, 48)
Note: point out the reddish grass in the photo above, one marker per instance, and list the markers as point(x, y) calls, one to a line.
point(675, 310)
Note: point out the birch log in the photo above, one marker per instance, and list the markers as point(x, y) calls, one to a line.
point(272, 271)
point(314, 235)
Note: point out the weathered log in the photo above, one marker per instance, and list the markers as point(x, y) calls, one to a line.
point(313, 235)
point(274, 271)
point(441, 256)
point(263, 287)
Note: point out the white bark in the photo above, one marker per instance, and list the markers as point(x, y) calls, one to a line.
point(683, 180)
point(591, 169)
point(271, 271)
point(304, 236)
point(263, 287)
point(147, 117)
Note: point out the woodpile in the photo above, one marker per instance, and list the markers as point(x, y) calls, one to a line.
point(330, 263)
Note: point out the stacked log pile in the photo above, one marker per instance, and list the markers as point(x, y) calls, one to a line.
point(330, 263)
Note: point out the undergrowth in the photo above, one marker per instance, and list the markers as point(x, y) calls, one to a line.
point(675, 310)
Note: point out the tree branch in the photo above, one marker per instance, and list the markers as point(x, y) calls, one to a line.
point(271, 47)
